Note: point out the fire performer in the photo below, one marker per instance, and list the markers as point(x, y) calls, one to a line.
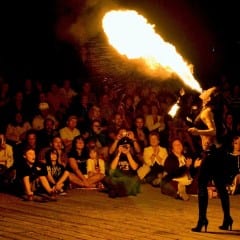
point(213, 161)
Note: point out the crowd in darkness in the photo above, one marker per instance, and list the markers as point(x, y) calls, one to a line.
point(60, 137)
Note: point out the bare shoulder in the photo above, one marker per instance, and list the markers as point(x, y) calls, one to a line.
point(207, 112)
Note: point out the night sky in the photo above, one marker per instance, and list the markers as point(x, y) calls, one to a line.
point(205, 32)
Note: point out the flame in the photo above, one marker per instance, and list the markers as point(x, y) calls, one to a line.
point(172, 112)
point(133, 36)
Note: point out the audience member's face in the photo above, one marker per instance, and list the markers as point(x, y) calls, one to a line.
point(80, 144)
point(57, 143)
point(30, 156)
point(31, 139)
point(154, 140)
point(118, 120)
point(49, 125)
point(72, 123)
point(139, 122)
point(93, 154)
point(18, 118)
point(96, 127)
point(53, 156)
point(177, 147)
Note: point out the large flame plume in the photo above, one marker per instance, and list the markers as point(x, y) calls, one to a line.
point(134, 37)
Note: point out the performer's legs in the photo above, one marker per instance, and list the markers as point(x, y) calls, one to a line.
point(224, 197)
point(203, 179)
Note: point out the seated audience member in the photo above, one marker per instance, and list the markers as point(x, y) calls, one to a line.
point(80, 107)
point(69, 132)
point(141, 132)
point(154, 121)
point(56, 144)
point(118, 122)
point(95, 168)
point(123, 180)
point(67, 92)
point(123, 133)
point(31, 140)
point(57, 173)
point(233, 162)
point(46, 134)
point(32, 176)
point(77, 164)
point(55, 100)
point(16, 129)
point(7, 172)
point(154, 157)
point(94, 114)
point(177, 165)
point(107, 108)
point(96, 132)
point(38, 120)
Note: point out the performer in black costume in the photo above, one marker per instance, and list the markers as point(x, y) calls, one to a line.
point(213, 162)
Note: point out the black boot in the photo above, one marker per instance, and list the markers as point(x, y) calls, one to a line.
point(201, 223)
point(227, 224)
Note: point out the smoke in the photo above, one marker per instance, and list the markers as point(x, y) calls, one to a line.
point(80, 21)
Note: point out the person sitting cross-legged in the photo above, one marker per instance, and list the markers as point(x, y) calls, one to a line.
point(32, 177)
point(58, 175)
point(122, 179)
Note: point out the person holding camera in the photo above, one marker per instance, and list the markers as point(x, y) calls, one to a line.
point(123, 180)
point(123, 133)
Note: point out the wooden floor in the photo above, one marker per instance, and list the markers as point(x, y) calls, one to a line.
point(88, 214)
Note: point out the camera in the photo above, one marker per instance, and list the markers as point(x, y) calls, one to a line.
point(125, 146)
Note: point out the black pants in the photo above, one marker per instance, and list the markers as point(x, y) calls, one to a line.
point(212, 168)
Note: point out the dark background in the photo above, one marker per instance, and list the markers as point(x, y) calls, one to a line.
point(205, 32)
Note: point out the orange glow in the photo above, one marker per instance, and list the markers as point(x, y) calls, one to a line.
point(131, 35)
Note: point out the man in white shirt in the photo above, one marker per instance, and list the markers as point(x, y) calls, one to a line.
point(154, 157)
point(69, 132)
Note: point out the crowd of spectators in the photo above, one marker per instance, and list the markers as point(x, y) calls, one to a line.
point(55, 137)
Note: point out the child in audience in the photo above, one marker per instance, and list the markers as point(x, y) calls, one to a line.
point(57, 175)
point(32, 175)
point(95, 167)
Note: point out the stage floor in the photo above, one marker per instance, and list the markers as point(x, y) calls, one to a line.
point(88, 214)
